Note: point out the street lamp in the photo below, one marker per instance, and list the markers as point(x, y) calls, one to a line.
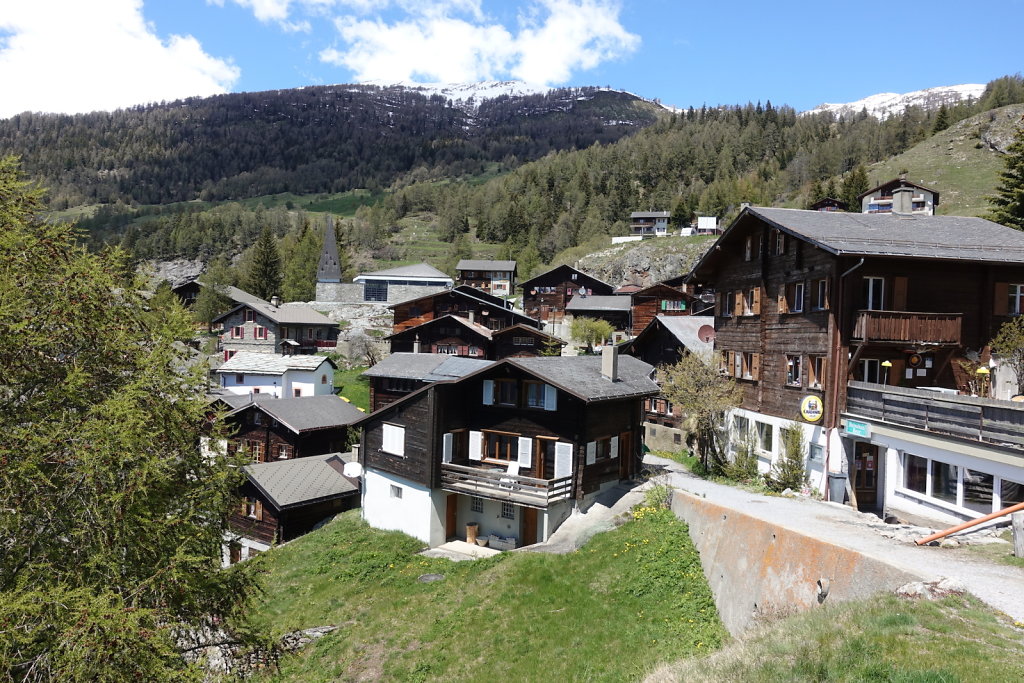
point(983, 374)
point(886, 364)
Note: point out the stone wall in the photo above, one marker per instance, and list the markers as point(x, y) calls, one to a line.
point(352, 292)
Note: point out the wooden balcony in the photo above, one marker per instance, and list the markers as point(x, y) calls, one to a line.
point(499, 485)
point(993, 422)
point(903, 327)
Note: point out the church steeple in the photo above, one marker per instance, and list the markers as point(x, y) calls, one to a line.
point(329, 270)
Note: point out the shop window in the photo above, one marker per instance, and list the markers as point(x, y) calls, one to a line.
point(978, 489)
point(944, 481)
point(764, 436)
point(915, 473)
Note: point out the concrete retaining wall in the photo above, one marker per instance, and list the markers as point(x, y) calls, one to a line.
point(757, 568)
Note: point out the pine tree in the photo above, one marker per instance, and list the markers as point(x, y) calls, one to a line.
point(300, 264)
point(263, 277)
point(855, 184)
point(1008, 202)
point(941, 120)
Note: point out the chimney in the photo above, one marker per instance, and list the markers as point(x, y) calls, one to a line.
point(903, 200)
point(416, 344)
point(472, 316)
point(275, 301)
point(610, 362)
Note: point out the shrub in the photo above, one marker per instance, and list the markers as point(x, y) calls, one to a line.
point(789, 472)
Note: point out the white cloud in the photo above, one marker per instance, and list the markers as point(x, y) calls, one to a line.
point(433, 43)
point(74, 56)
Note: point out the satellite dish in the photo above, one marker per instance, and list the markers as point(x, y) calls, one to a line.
point(706, 334)
point(352, 470)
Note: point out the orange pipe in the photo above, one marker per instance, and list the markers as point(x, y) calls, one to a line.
point(967, 525)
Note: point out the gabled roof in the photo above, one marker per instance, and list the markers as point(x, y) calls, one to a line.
point(481, 330)
point(306, 413)
point(651, 214)
point(662, 289)
point(417, 270)
point(239, 296)
point(301, 481)
point(684, 328)
point(938, 238)
point(898, 182)
point(569, 270)
point(462, 292)
point(597, 302)
point(519, 328)
point(426, 367)
point(481, 294)
point(581, 376)
point(828, 201)
point(483, 264)
point(252, 363)
point(287, 314)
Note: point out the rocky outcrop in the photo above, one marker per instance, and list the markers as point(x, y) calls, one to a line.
point(1003, 126)
point(177, 272)
point(644, 263)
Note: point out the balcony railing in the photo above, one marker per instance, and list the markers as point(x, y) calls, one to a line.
point(907, 328)
point(998, 423)
point(499, 485)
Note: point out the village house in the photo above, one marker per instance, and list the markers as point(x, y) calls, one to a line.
point(457, 336)
point(274, 328)
point(188, 292)
point(899, 195)
point(546, 296)
point(828, 204)
point(649, 223)
point(659, 299)
point(285, 499)
point(495, 277)
point(402, 373)
point(615, 310)
point(470, 304)
point(247, 372)
point(508, 451)
point(270, 428)
point(663, 342)
point(867, 331)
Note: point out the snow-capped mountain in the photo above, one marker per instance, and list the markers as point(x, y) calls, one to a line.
point(886, 104)
point(469, 92)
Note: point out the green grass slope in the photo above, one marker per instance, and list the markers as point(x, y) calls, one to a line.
point(631, 598)
point(959, 162)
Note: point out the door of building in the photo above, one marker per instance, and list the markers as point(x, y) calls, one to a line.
point(528, 529)
point(626, 465)
point(451, 516)
point(865, 476)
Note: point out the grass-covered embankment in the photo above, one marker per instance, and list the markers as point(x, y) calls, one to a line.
point(631, 598)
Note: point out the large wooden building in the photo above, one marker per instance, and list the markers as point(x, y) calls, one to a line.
point(545, 296)
point(830, 319)
point(512, 448)
point(465, 302)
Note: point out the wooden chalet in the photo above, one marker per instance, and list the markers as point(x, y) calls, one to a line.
point(615, 310)
point(283, 500)
point(811, 304)
point(494, 277)
point(458, 302)
point(521, 341)
point(512, 448)
point(401, 374)
point(449, 334)
point(828, 204)
point(272, 429)
point(658, 299)
point(663, 342)
point(546, 296)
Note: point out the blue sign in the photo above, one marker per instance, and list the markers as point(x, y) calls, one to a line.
point(858, 428)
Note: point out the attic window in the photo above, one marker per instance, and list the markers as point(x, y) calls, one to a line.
point(323, 379)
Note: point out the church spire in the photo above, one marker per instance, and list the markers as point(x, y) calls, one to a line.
point(329, 270)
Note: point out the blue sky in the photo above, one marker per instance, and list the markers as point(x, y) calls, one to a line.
point(78, 55)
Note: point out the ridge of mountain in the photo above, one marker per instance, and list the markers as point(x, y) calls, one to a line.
point(886, 104)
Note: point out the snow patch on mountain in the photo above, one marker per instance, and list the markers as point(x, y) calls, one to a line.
point(886, 104)
point(470, 93)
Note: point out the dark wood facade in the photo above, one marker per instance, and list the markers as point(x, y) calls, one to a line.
point(546, 295)
point(459, 409)
point(257, 518)
point(520, 341)
point(449, 334)
point(793, 319)
point(266, 439)
point(456, 302)
point(658, 299)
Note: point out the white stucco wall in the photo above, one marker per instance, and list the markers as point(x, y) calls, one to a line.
point(248, 545)
point(281, 386)
point(813, 434)
point(418, 513)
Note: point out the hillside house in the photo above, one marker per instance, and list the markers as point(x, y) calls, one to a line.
point(659, 299)
point(272, 429)
point(477, 307)
point(494, 277)
point(403, 373)
point(512, 448)
point(546, 296)
point(248, 372)
point(457, 336)
point(663, 342)
point(901, 196)
point(188, 292)
point(270, 327)
point(828, 204)
point(863, 331)
point(616, 310)
point(283, 500)
point(649, 223)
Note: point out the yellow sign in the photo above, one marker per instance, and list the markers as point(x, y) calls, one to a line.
point(811, 408)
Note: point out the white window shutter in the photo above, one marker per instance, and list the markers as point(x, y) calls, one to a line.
point(563, 460)
point(488, 392)
point(591, 452)
point(446, 447)
point(550, 397)
point(525, 452)
point(475, 446)
point(614, 447)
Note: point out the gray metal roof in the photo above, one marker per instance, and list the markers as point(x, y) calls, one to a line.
point(286, 314)
point(427, 367)
point(270, 363)
point(957, 238)
point(684, 328)
point(651, 214)
point(290, 483)
point(418, 270)
point(483, 264)
point(581, 376)
point(601, 302)
point(305, 413)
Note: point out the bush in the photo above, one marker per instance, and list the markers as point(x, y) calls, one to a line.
point(789, 472)
point(743, 466)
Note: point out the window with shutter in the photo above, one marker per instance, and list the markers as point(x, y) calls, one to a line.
point(475, 445)
point(393, 439)
point(591, 452)
point(563, 460)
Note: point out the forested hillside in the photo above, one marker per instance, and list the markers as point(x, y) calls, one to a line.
point(316, 139)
